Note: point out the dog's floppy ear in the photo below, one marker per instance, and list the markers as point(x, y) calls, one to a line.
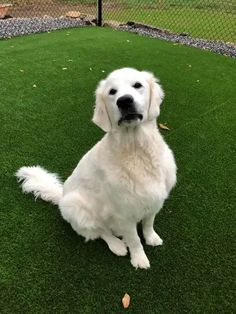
point(156, 96)
point(100, 116)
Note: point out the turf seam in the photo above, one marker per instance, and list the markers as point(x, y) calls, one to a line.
point(192, 121)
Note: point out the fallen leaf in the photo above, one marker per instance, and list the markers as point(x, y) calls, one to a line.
point(163, 126)
point(126, 301)
point(73, 14)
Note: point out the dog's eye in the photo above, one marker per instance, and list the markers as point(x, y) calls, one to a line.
point(137, 85)
point(112, 91)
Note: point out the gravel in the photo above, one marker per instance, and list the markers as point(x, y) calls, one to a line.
point(23, 26)
point(227, 49)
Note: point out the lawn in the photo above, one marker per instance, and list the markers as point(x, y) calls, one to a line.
point(46, 119)
point(209, 19)
point(199, 23)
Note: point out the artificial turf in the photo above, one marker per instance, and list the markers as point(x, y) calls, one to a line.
point(45, 266)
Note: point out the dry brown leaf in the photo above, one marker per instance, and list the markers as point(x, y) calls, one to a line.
point(126, 301)
point(73, 14)
point(164, 127)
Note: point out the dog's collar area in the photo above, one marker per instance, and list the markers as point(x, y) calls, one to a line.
point(130, 117)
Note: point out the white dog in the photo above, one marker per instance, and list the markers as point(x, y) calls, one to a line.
point(125, 178)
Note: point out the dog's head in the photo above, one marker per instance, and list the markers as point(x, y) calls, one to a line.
point(127, 97)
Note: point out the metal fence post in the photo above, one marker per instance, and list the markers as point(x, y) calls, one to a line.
point(99, 17)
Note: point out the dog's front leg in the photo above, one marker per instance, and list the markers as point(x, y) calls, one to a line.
point(150, 236)
point(131, 238)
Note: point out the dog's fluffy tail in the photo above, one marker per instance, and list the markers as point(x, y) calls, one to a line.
point(40, 182)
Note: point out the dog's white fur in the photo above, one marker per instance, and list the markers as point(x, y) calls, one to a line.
point(124, 179)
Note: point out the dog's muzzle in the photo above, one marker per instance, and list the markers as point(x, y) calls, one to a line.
point(130, 117)
point(126, 106)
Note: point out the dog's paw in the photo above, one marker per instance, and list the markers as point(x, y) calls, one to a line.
point(153, 239)
point(118, 247)
point(140, 261)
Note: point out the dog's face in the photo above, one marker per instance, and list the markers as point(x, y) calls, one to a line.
point(127, 97)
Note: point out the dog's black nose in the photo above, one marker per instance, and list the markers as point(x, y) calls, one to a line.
point(125, 103)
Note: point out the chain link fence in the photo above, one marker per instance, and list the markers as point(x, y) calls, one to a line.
point(45, 8)
point(207, 19)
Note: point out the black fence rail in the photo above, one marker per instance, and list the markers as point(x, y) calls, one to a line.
point(207, 19)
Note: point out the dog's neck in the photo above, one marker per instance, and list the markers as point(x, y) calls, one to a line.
point(130, 137)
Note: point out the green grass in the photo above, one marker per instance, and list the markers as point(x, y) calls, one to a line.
point(193, 3)
point(45, 266)
point(208, 19)
point(208, 24)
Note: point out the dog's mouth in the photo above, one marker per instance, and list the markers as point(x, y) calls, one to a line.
point(128, 118)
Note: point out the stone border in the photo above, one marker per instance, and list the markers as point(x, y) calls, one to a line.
point(24, 26)
point(220, 47)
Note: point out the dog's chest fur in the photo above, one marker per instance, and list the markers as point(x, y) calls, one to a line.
point(138, 164)
point(138, 171)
